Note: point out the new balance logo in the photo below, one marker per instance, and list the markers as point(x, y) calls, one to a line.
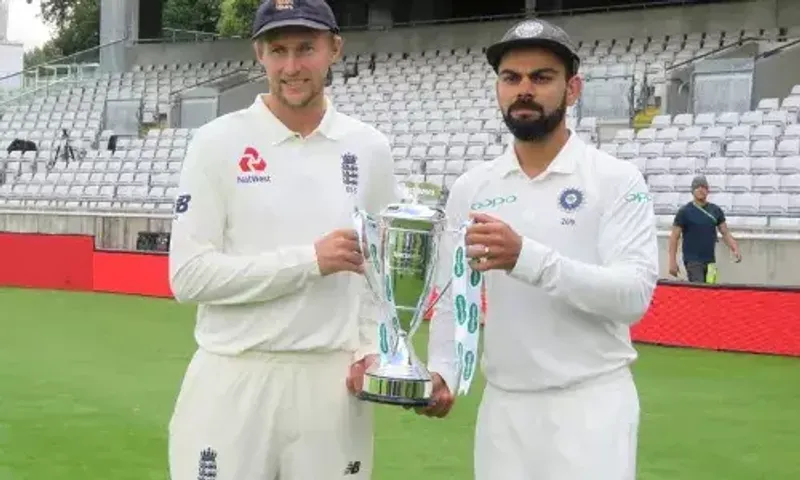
point(352, 468)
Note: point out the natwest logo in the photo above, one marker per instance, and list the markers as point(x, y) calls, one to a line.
point(253, 167)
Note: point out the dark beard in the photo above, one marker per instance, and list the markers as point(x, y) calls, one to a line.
point(534, 130)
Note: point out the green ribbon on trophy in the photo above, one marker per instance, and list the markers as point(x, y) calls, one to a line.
point(466, 285)
point(369, 237)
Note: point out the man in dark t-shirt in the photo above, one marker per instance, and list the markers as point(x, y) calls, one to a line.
point(697, 222)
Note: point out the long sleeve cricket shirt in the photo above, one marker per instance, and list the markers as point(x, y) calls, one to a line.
point(253, 198)
point(586, 273)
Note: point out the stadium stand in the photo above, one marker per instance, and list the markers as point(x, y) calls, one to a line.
point(126, 173)
point(438, 109)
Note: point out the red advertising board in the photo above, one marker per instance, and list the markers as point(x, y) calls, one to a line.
point(735, 318)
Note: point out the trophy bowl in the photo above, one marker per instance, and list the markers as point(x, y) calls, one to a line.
point(400, 247)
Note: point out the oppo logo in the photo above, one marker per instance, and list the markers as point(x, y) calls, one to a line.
point(495, 202)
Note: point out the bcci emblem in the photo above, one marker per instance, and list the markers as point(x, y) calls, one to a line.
point(570, 200)
point(350, 172)
point(284, 4)
point(529, 30)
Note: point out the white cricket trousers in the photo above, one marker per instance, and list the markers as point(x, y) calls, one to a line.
point(585, 432)
point(263, 416)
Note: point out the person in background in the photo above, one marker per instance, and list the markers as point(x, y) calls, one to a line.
point(698, 222)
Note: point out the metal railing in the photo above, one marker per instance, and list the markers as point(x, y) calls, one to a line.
point(736, 44)
point(182, 35)
point(177, 35)
point(724, 48)
point(175, 93)
point(55, 74)
point(778, 49)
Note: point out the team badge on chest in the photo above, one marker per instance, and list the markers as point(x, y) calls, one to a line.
point(571, 199)
point(350, 172)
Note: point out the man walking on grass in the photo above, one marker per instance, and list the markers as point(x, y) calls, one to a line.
point(698, 222)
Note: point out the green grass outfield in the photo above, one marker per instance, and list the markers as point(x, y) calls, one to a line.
point(87, 383)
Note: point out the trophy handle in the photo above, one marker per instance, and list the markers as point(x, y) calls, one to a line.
point(365, 226)
point(372, 243)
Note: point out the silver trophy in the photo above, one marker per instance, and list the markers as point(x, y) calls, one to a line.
point(400, 247)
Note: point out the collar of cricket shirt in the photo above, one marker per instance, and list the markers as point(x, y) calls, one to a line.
point(330, 126)
point(564, 162)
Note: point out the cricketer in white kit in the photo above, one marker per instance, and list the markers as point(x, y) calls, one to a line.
point(263, 241)
point(566, 236)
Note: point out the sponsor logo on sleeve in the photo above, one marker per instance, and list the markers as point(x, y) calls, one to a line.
point(638, 197)
point(182, 204)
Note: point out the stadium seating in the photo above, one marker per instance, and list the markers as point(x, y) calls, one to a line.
point(439, 110)
point(138, 174)
point(752, 160)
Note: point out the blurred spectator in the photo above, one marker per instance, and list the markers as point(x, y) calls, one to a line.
point(697, 222)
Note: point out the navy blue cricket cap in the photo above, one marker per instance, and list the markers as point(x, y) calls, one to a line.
point(536, 32)
point(315, 14)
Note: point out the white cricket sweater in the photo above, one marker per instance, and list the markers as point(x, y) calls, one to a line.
point(253, 198)
point(586, 273)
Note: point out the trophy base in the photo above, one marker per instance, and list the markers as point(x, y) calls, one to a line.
point(401, 386)
point(394, 401)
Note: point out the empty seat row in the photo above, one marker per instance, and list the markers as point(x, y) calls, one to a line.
point(748, 203)
point(161, 197)
point(718, 165)
point(366, 103)
point(21, 169)
point(769, 183)
point(171, 132)
point(411, 140)
point(175, 154)
point(439, 159)
point(91, 203)
point(454, 127)
point(714, 133)
point(83, 179)
point(755, 223)
point(790, 107)
point(17, 119)
point(705, 148)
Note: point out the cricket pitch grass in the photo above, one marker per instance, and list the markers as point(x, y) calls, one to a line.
point(87, 384)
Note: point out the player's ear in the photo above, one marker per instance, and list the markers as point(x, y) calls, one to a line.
point(259, 46)
point(337, 47)
point(574, 89)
